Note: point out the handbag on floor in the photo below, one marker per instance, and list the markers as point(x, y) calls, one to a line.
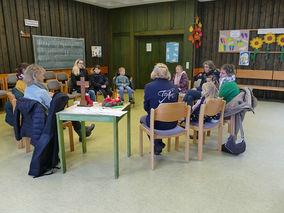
point(231, 146)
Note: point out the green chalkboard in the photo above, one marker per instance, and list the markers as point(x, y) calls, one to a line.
point(53, 53)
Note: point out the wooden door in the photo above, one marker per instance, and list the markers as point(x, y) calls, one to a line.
point(147, 60)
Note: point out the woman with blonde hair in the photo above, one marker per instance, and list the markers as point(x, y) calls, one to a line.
point(38, 91)
point(160, 90)
point(79, 71)
point(209, 91)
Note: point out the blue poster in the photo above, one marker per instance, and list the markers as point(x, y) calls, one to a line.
point(172, 50)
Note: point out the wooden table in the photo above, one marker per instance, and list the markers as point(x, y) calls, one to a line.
point(96, 114)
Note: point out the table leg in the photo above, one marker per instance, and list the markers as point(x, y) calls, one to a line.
point(61, 143)
point(83, 133)
point(128, 134)
point(115, 148)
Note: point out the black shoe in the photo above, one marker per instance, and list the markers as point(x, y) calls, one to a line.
point(89, 130)
point(191, 136)
point(131, 101)
point(159, 148)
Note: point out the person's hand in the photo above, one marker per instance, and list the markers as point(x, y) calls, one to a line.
point(124, 85)
point(51, 94)
point(194, 88)
point(103, 86)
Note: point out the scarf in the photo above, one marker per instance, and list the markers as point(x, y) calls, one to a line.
point(41, 85)
point(177, 78)
point(227, 79)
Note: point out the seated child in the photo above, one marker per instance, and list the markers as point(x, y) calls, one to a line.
point(209, 91)
point(213, 79)
point(122, 83)
point(99, 82)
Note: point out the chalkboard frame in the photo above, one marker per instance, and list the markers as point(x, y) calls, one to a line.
point(57, 67)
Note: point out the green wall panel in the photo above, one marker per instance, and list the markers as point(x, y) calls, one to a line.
point(159, 17)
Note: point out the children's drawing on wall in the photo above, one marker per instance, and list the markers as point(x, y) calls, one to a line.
point(244, 58)
point(172, 51)
point(233, 40)
point(97, 51)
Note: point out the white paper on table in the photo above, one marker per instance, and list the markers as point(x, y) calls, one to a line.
point(94, 111)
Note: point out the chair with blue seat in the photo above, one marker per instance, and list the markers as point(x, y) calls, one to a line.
point(167, 112)
point(211, 108)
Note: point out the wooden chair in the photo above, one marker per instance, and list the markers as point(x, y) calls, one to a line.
point(211, 108)
point(167, 112)
point(25, 140)
point(3, 93)
point(63, 78)
point(11, 81)
point(54, 85)
point(49, 75)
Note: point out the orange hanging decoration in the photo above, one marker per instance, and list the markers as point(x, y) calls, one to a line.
point(196, 33)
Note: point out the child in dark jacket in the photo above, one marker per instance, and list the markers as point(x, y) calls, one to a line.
point(99, 82)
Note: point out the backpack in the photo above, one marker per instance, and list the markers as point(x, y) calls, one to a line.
point(231, 146)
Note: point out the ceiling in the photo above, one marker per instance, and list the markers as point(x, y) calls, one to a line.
point(109, 4)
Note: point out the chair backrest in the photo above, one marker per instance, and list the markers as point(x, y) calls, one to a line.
point(211, 108)
point(62, 76)
point(69, 82)
point(214, 106)
point(12, 79)
point(12, 99)
point(49, 75)
point(53, 84)
point(169, 112)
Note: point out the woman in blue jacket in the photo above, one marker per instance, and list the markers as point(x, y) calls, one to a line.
point(37, 90)
point(160, 90)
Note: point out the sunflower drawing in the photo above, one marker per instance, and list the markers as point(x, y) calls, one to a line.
point(256, 43)
point(269, 38)
point(280, 42)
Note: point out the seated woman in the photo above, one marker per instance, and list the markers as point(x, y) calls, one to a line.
point(209, 91)
point(79, 71)
point(161, 90)
point(18, 91)
point(195, 94)
point(100, 82)
point(180, 79)
point(37, 90)
point(228, 87)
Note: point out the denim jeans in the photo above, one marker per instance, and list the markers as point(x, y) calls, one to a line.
point(121, 91)
point(191, 95)
point(92, 95)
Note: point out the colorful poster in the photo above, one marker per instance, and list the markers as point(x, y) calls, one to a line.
point(172, 51)
point(96, 51)
point(244, 58)
point(233, 40)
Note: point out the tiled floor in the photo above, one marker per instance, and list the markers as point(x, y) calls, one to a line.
point(251, 182)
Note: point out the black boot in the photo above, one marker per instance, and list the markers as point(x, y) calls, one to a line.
point(131, 101)
point(89, 130)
